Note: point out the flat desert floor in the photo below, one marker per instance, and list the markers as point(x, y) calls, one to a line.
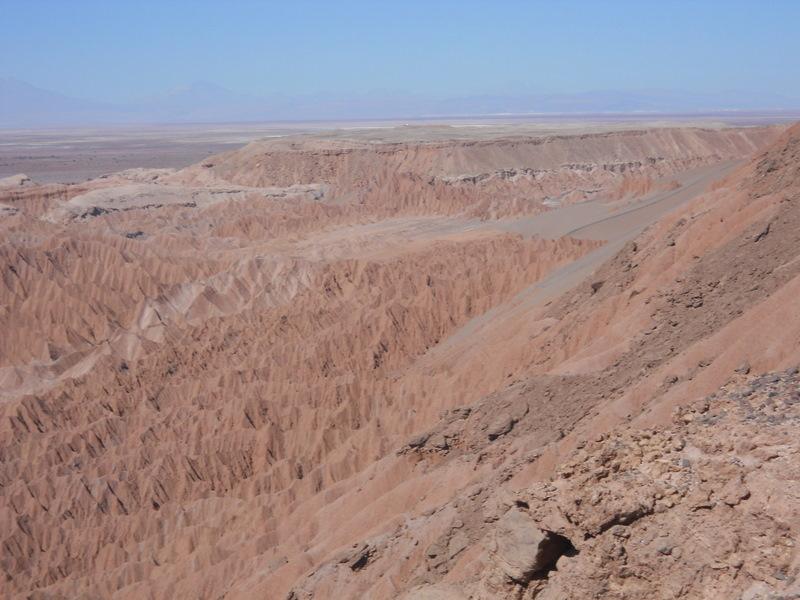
point(75, 155)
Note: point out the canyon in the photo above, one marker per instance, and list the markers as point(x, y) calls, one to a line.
point(411, 362)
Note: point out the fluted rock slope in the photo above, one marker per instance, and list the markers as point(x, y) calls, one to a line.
point(326, 368)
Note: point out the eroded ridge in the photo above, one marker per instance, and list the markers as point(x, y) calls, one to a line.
point(341, 368)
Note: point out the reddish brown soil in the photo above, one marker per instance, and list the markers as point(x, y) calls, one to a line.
point(337, 368)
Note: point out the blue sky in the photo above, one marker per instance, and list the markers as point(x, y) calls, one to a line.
point(116, 50)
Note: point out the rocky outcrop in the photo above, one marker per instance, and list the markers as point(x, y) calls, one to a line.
point(645, 493)
point(493, 178)
point(15, 181)
point(521, 550)
point(702, 507)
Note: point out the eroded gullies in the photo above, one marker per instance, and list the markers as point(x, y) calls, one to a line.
point(306, 367)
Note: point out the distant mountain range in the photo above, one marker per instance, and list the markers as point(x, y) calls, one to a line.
point(23, 105)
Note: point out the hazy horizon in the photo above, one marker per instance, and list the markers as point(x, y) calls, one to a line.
point(95, 62)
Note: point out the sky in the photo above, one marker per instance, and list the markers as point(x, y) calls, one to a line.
point(116, 50)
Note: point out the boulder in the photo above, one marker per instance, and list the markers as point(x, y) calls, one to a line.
point(521, 550)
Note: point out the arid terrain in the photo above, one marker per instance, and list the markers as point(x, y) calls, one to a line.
point(73, 155)
point(435, 363)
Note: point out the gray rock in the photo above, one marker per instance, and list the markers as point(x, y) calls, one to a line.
point(734, 491)
point(743, 368)
point(457, 544)
point(520, 549)
point(439, 442)
point(665, 549)
point(358, 556)
point(418, 441)
point(501, 426)
point(434, 550)
point(763, 233)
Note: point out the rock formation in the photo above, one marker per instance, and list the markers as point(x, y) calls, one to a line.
point(550, 367)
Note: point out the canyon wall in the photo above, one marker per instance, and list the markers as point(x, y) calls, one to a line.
point(335, 368)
